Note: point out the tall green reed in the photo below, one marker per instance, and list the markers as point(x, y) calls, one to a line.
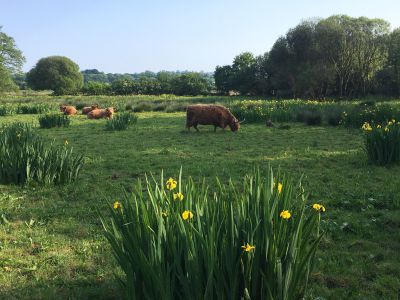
point(255, 240)
point(25, 157)
point(121, 121)
point(54, 120)
point(382, 142)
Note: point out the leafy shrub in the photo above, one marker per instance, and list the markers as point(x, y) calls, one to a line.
point(313, 117)
point(253, 241)
point(54, 120)
point(25, 157)
point(121, 121)
point(382, 142)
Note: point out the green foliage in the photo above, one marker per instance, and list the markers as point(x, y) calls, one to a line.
point(121, 121)
point(11, 61)
point(6, 82)
point(56, 73)
point(96, 88)
point(54, 120)
point(191, 84)
point(382, 142)
point(25, 157)
point(195, 248)
point(338, 56)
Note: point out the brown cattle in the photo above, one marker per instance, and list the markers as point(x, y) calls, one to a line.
point(101, 113)
point(68, 110)
point(216, 115)
point(88, 109)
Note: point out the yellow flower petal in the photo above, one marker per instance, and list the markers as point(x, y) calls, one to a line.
point(187, 214)
point(248, 247)
point(117, 205)
point(280, 187)
point(318, 207)
point(171, 184)
point(285, 214)
point(178, 196)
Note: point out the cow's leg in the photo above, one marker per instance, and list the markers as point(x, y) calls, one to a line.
point(215, 128)
point(195, 127)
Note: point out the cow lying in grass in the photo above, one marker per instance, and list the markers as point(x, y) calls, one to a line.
point(88, 109)
point(216, 115)
point(101, 113)
point(68, 110)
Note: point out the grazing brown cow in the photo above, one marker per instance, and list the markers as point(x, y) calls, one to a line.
point(216, 115)
point(68, 110)
point(101, 113)
point(88, 109)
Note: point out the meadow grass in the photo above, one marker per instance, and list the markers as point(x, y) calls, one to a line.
point(51, 239)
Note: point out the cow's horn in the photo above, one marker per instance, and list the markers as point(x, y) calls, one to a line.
point(242, 121)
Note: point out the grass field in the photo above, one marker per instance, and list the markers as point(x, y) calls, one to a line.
point(51, 242)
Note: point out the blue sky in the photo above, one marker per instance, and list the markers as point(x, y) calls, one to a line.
point(124, 36)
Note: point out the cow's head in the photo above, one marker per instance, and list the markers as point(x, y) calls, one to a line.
point(95, 106)
point(235, 124)
point(109, 112)
point(62, 108)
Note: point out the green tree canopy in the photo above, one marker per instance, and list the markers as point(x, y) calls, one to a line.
point(57, 73)
point(11, 61)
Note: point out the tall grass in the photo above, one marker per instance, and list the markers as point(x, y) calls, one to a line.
point(40, 108)
point(121, 121)
point(25, 157)
point(382, 142)
point(253, 241)
point(54, 120)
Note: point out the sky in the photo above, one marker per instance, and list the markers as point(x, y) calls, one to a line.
point(122, 36)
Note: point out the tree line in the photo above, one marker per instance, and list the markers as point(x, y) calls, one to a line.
point(148, 83)
point(339, 56)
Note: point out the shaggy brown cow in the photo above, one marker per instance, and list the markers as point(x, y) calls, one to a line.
point(68, 110)
point(101, 113)
point(88, 109)
point(216, 115)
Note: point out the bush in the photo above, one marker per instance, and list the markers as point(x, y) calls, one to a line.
point(121, 121)
point(57, 73)
point(27, 157)
point(382, 142)
point(313, 117)
point(54, 120)
point(253, 241)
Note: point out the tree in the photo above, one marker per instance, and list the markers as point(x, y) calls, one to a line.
point(394, 58)
point(223, 77)
point(191, 83)
point(11, 61)
point(57, 73)
point(244, 71)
